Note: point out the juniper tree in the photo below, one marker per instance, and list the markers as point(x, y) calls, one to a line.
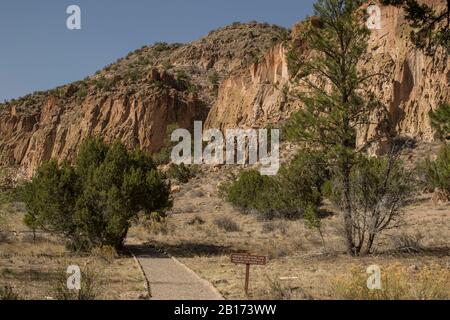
point(92, 202)
point(334, 93)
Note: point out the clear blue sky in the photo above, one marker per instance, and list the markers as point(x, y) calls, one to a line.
point(38, 52)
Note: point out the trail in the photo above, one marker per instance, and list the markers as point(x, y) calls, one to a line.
point(171, 280)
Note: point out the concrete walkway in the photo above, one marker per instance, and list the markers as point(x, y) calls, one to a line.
point(170, 279)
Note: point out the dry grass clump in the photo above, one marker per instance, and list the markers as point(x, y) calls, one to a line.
point(107, 253)
point(397, 282)
point(90, 285)
point(226, 224)
point(8, 293)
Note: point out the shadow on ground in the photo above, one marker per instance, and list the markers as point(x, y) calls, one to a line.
point(186, 249)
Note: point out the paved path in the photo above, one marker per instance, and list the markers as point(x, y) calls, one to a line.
point(171, 280)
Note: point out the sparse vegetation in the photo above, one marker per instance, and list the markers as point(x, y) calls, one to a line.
point(379, 189)
point(8, 293)
point(440, 120)
point(398, 283)
point(163, 156)
point(90, 285)
point(196, 221)
point(435, 174)
point(181, 172)
point(225, 223)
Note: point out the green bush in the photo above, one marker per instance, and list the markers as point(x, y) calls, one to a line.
point(163, 156)
point(435, 175)
point(180, 172)
point(440, 120)
point(91, 203)
point(297, 187)
point(249, 190)
point(303, 179)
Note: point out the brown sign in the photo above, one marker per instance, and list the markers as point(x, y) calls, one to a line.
point(247, 259)
point(243, 258)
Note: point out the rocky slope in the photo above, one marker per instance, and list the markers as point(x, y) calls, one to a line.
point(134, 99)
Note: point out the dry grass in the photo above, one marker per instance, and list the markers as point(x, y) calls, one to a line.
point(397, 283)
point(297, 267)
point(31, 268)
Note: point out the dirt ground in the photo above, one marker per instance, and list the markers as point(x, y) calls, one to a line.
point(297, 266)
point(31, 266)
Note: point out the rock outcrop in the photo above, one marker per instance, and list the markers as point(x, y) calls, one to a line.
point(57, 129)
point(412, 84)
point(133, 100)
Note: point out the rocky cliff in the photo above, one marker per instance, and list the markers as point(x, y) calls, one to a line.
point(57, 128)
point(134, 99)
point(412, 84)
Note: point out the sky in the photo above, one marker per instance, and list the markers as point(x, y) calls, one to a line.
point(39, 52)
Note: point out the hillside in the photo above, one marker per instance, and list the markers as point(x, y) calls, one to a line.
point(133, 100)
point(229, 78)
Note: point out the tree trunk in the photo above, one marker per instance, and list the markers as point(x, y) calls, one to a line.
point(323, 240)
point(348, 223)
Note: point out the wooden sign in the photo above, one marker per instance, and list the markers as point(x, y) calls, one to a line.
point(248, 259)
point(244, 258)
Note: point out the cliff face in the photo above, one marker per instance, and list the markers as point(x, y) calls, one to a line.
point(57, 129)
point(413, 84)
point(253, 98)
point(133, 100)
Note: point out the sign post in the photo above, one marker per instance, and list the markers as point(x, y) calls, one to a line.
point(247, 259)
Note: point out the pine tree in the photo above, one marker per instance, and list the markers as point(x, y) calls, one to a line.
point(334, 98)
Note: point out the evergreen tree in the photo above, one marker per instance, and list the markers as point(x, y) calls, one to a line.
point(335, 99)
point(92, 203)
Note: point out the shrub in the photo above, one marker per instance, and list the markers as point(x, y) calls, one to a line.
point(180, 172)
point(252, 191)
point(163, 156)
point(275, 226)
point(226, 224)
point(276, 290)
point(440, 120)
point(435, 175)
point(156, 223)
point(90, 285)
point(196, 221)
point(408, 243)
point(379, 188)
point(304, 177)
point(7, 293)
point(92, 203)
point(106, 253)
point(161, 46)
point(297, 187)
